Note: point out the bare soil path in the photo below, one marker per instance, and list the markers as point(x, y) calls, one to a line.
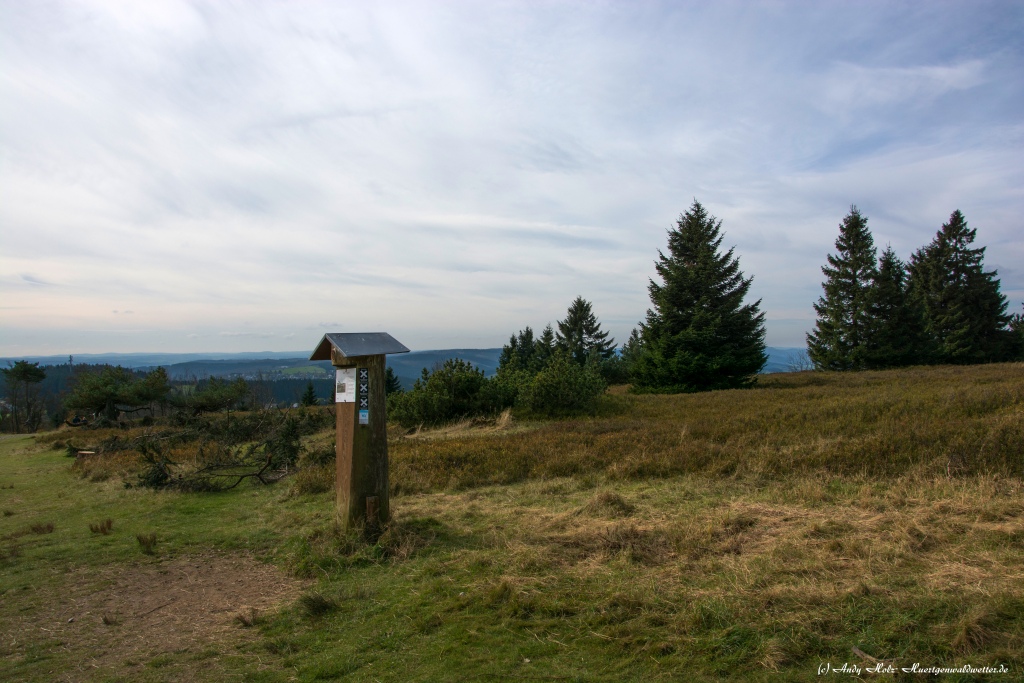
point(122, 622)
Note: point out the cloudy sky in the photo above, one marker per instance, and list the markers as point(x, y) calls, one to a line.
point(244, 176)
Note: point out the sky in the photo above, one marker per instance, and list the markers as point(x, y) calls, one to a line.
point(246, 176)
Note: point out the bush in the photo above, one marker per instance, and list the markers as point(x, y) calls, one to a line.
point(113, 390)
point(506, 386)
point(210, 396)
point(452, 391)
point(218, 453)
point(563, 388)
point(615, 370)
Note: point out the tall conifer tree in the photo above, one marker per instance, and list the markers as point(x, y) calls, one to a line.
point(839, 339)
point(699, 335)
point(964, 311)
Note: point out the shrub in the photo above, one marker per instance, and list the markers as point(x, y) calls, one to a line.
point(615, 370)
point(454, 390)
point(319, 454)
point(563, 388)
point(209, 396)
point(506, 386)
point(109, 391)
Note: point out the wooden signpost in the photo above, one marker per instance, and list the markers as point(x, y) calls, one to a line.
point(361, 451)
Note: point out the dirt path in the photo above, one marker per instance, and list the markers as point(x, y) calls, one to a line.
point(181, 619)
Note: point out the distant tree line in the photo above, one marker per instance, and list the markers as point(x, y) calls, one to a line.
point(558, 373)
point(35, 396)
point(941, 306)
point(22, 410)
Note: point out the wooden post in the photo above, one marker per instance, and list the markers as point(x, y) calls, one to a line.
point(362, 449)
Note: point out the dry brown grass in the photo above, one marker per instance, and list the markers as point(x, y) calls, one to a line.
point(504, 423)
point(103, 467)
point(313, 479)
point(104, 527)
point(792, 557)
point(948, 421)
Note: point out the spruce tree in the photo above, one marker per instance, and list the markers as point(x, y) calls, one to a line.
point(894, 331)
point(309, 396)
point(631, 350)
point(392, 385)
point(544, 347)
point(840, 337)
point(1017, 336)
point(964, 312)
point(580, 334)
point(699, 335)
point(519, 353)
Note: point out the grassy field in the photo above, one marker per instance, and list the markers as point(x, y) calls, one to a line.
point(819, 519)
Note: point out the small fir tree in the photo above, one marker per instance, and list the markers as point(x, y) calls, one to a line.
point(392, 385)
point(580, 334)
point(1017, 336)
point(309, 396)
point(699, 335)
point(631, 350)
point(520, 353)
point(521, 359)
point(545, 347)
point(840, 337)
point(964, 312)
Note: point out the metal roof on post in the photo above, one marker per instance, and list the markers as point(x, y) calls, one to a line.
point(353, 344)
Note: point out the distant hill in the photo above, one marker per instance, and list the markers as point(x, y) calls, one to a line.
point(152, 360)
point(786, 359)
point(294, 364)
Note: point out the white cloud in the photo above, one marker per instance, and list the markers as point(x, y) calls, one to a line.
point(855, 87)
point(452, 172)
